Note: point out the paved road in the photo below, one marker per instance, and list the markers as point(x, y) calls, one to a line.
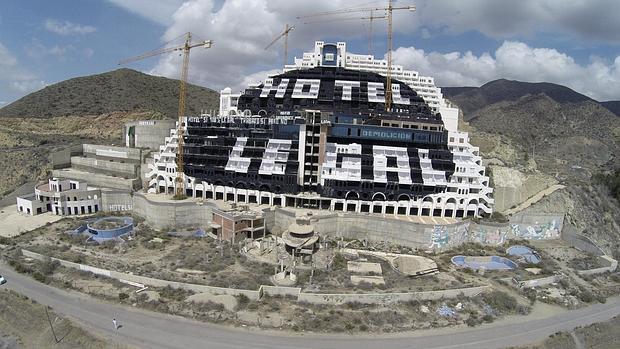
point(154, 330)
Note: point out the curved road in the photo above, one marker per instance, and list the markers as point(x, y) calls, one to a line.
point(146, 329)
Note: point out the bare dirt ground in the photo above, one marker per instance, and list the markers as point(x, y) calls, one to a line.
point(24, 324)
point(13, 223)
point(286, 314)
point(208, 261)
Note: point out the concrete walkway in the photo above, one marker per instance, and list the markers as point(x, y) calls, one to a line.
point(534, 199)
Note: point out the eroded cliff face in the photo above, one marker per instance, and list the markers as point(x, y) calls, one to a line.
point(534, 142)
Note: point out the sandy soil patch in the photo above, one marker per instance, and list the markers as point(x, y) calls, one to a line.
point(13, 223)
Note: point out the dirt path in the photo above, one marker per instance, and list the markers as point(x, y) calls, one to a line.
point(534, 199)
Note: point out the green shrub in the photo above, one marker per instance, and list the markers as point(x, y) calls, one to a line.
point(585, 296)
point(48, 266)
point(473, 320)
point(253, 306)
point(500, 301)
point(242, 301)
point(122, 296)
point(39, 277)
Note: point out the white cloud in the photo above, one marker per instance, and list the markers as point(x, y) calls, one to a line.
point(240, 30)
point(159, 11)
point(515, 60)
point(591, 19)
point(256, 78)
point(27, 86)
point(67, 28)
point(13, 78)
point(36, 50)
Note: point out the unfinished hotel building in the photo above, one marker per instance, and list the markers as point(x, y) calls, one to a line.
point(318, 136)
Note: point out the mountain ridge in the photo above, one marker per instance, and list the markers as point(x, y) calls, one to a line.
point(471, 99)
point(121, 90)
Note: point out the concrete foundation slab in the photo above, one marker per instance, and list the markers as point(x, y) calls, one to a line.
point(13, 223)
point(374, 280)
point(98, 180)
point(364, 267)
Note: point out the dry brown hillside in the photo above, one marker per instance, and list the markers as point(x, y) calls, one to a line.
point(119, 90)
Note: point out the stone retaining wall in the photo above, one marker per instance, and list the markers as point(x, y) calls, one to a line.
point(609, 263)
point(280, 291)
point(376, 228)
point(580, 242)
point(172, 214)
point(389, 298)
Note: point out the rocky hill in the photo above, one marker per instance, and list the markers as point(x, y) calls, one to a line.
point(612, 106)
point(533, 136)
point(88, 109)
point(470, 99)
point(122, 90)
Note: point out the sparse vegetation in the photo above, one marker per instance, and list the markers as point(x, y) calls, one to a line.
point(118, 90)
point(501, 301)
point(612, 181)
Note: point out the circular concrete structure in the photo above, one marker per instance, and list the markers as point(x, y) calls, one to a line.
point(484, 262)
point(110, 228)
point(524, 253)
point(300, 239)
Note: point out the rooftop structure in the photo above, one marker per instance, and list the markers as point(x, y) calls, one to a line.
point(238, 223)
point(318, 136)
point(326, 54)
point(300, 239)
point(61, 197)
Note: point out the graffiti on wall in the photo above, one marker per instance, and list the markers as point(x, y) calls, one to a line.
point(488, 235)
point(443, 237)
point(536, 231)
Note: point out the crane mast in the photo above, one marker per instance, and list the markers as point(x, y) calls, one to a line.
point(179, 187)
point(388, 77)
point(186, 48)
point(287, 30)
point(389, 9)
point(371, 18)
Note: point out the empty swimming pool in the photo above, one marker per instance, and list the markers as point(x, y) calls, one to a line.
point(528, 255)
point(484, 262)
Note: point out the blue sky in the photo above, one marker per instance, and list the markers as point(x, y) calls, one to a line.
point(575, 43)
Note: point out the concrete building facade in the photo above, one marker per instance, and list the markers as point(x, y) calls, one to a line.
point(237, 223)
point(62, 197)
point(429, 169)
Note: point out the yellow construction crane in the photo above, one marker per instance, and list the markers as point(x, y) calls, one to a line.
point(371, 18)
point(287, 30)
point(185, 48)
point(388, 9)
